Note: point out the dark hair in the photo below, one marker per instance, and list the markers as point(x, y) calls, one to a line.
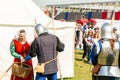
point(22, 31)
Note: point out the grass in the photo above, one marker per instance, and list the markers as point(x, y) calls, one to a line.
point(82, 69)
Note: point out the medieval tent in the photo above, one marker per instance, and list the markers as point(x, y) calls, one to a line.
point(24, 14)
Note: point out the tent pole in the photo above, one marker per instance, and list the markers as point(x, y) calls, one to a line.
point(53, 14)
point(5, 72)
point(113, 16)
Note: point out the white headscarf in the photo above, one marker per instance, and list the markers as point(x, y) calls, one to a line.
point(18, 33)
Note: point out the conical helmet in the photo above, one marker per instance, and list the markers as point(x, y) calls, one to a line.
point(106, 31)
point(40, 29)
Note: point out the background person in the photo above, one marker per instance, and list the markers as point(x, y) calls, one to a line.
point(19, 49)
point(88, 41)
point(78, 36)
point(45, 47)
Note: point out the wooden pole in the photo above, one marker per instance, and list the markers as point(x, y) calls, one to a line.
point(112, 20)
point(35, 34)
point(5, 73)
point(113, 16)
point(53, 14)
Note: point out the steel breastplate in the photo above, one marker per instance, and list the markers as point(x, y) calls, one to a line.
point(108, 58)
point(112, 71)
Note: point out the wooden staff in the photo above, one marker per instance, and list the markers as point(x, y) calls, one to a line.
point(113, 16)
point(5, 73)
point(53, 13)
point(112, 20)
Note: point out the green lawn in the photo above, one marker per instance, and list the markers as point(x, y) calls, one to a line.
point(82, 69)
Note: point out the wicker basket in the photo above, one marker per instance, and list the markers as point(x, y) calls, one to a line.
point(21, 69)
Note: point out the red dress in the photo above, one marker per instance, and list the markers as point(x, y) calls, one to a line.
point(22, 50)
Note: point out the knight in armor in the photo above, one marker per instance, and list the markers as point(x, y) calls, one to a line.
point(45, 47)
point(106, 53)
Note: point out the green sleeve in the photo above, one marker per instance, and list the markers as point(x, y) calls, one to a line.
point(12, 51)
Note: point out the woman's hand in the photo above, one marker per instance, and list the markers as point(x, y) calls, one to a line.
point(22, 59)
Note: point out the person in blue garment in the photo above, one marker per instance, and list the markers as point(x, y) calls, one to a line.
point(106, 53)
point(46, 47)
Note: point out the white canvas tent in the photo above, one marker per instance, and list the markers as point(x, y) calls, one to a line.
point(21, 14)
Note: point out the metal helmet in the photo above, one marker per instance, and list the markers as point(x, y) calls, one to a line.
point(40, 29)
point(106, 31)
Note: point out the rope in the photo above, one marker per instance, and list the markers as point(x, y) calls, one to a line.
point(16, 25)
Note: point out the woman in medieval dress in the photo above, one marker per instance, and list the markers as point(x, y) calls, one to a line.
point(19, 49)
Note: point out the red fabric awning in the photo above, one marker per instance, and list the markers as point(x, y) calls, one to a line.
point(82, 21)
point(92, 20)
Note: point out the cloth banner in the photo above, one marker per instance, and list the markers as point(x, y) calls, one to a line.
point(66, 16)
point(89, 15)
point(104, 15)
point(97, 15)
point(109, 15)
point(117, 15)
